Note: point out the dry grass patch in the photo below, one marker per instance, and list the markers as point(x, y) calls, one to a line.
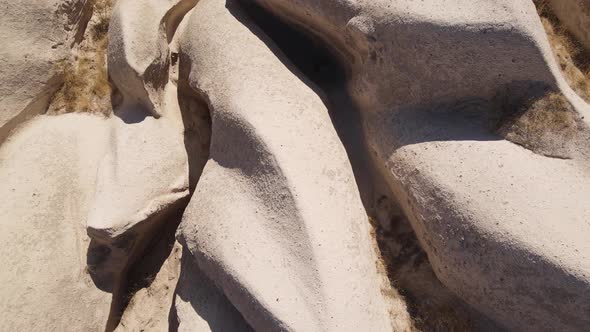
point(86, 86)
point(546, 124)
point(571, 56)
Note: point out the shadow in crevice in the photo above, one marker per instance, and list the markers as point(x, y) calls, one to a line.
point(207, 300)
point(132, 114)
point(196, 118)
point(314, 64)
point(158, 250)
point(131, 261)
point(431, 305)
point(465, 119)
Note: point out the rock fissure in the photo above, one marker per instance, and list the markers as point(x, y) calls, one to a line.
point(408, 269)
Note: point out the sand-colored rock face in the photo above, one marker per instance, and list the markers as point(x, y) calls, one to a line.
point(270, 206)
point(48, 174)
point(249, 144)
point(36, 35)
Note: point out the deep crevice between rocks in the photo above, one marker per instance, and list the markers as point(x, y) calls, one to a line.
point(145, 251)
point(143, 266)
point(147, 255)
point(571, 55)
point(197, 135)
point(431, 305)
point(77, 15)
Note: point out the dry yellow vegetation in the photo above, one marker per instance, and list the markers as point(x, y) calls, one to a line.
point(571, 56)
point(86, 86)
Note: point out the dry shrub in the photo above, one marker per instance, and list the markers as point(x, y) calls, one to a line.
point(86, 86)
point(547, 124)
point(571, 56)
point(102, 10)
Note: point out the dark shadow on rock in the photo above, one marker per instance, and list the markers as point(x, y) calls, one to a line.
point(144, 271)
point(124, 265)
point(173, 322)
point(196, 118)
point(315, 64)
point(467, 119)
point(97, 256)
point(206, 299)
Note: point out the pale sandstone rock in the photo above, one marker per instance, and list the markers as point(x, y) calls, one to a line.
point(276, 219)
point(144, 176)
point(575, 16)
point(36, 35)
point(48, 171)
point(488, 212)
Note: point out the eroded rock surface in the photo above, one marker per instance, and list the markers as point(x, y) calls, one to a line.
point(143, 179)
point(48, 175)
point(264, 135)
point(36, 35)
point(475, 201)
point(276, 213)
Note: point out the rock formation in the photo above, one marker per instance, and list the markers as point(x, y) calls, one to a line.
point(294, 165)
